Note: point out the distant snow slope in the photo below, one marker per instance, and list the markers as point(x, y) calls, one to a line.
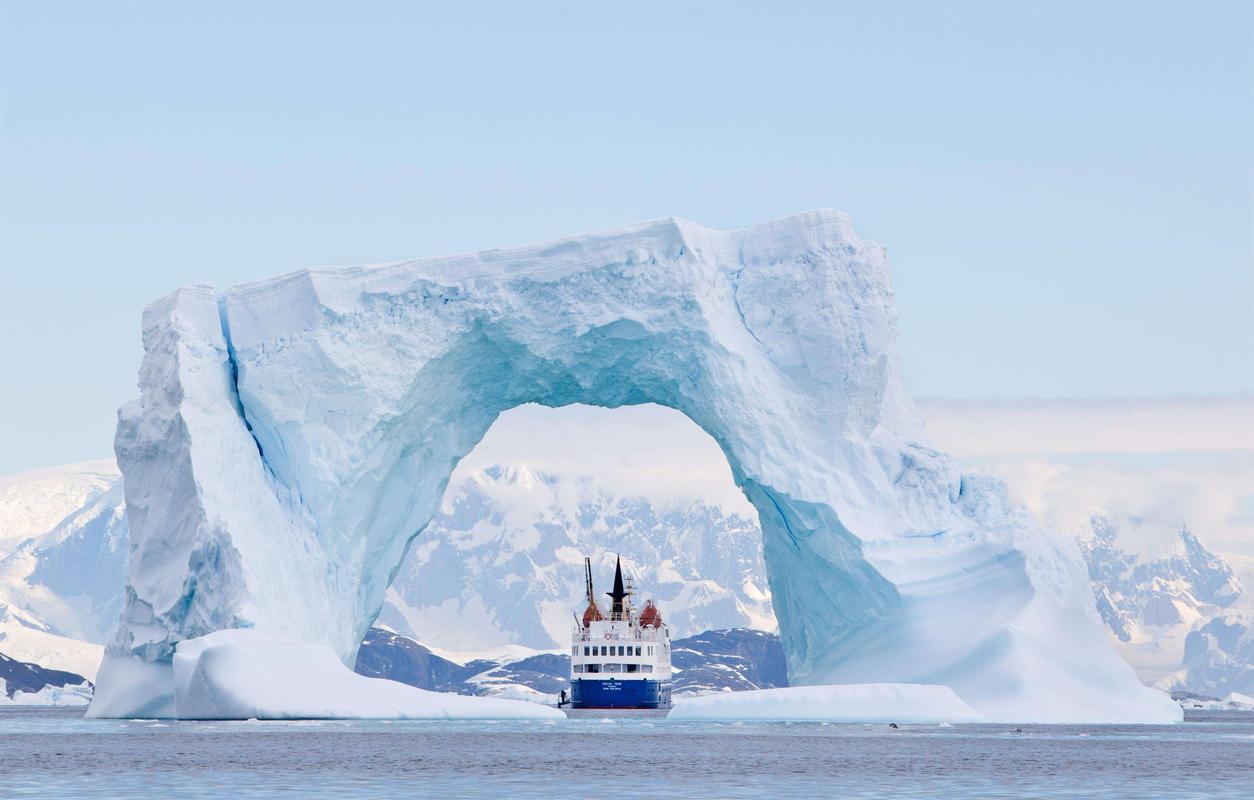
point(24, 638)
point(32, 502)
point(70, 578)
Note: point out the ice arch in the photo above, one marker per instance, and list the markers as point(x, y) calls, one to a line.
point(294, 435)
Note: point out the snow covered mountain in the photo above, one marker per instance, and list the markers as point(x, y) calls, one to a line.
point(30, 684)
point(33, 502)
point(1176, 612)
point(501, 564)
point(503, 561)
point(70, 577)
point(63, 545)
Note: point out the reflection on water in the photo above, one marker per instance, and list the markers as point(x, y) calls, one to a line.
point(54, 752)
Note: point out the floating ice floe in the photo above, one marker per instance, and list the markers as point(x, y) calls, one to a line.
point(243, 674)
point(866, 702)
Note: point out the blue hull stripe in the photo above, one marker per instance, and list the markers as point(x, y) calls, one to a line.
point(645, 693)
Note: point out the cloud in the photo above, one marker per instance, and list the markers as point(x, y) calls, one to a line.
point(1150, 503)
point(1152, 466)
point(644, 450)
point(991, 428)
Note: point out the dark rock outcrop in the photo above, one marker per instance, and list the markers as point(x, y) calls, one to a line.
point(19, 676)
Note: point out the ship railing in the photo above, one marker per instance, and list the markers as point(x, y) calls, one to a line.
point(636, 634)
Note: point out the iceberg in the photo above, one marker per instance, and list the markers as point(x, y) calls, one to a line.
point(294, 436)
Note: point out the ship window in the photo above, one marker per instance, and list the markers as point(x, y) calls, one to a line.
point(637, 649)
point(577, 668)
point(646, 667)
point(650, 649)
point(592, 668)
point(622, 651)
point(633, 667)
point(603, 649)
point(585, 650)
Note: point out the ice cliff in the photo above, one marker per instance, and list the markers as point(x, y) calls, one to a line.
point(294, 436)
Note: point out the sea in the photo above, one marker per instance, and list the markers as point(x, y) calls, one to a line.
point(55, 752)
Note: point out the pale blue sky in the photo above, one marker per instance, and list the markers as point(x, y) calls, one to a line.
point(1064, 188)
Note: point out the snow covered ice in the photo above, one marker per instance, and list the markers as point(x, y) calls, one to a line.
point(873, 702)
point(293, 436)
point(239, 674)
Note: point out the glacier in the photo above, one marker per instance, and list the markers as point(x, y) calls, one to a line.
point(294, 436)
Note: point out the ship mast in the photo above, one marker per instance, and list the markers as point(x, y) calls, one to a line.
point(618, 610)
point(587, 572)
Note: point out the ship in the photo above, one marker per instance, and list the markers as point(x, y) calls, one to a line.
point(623, 659)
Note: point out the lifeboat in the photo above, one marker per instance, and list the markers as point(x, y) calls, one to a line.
point(591, 614)
point(650, 617)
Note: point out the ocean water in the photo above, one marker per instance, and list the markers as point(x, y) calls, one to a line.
point(56, 753)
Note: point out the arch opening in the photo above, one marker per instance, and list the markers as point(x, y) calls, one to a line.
point(822, 594)
point(501, 563)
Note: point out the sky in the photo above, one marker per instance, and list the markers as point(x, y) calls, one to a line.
point(1064, 189)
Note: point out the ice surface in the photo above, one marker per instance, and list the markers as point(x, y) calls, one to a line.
point(293, 436)
point(1238, 699)
point(245, 674)
point(866, 702)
